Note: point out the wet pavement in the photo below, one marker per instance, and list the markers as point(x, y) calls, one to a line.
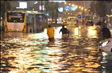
point(32, 53)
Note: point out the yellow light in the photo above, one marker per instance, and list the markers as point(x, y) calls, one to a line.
point(85, 9)
point(72, 4)
point(65, 3)
point(82, 8)
point(69, 3)
point(68, 13)
point(76, 31)
point(76, 6)
point(79, 6)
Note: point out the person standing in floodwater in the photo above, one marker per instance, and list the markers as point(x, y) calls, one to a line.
point(50, 33)
point(64, 31)
point(106, 33)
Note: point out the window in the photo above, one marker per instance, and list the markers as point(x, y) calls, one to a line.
point(15, 17)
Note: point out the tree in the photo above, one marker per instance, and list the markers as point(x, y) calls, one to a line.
point(5, 6)
point(52, 9)
point(92, 8)
point(101, 8)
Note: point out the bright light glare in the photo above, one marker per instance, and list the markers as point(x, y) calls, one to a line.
point(23, 4)
point(76, 31)
point(82, 8)
point(72, 4)
point(104, 54)
point(35, 2)
point(105, 43)
point(92, 32)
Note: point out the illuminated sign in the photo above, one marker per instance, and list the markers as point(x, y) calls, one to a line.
point(41, 7)
point(22, 5)
point(73, 8)
point(60, 9)
point(56, 0)
point(67, 8)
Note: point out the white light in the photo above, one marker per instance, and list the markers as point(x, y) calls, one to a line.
point(72, 4)
point(23, 4)
point(58, 1)
point(43, 7)
point(69, 4)
point(60, 9)
point(68, 13)
point(105, 43)
point(35, 2)
point(104, 54)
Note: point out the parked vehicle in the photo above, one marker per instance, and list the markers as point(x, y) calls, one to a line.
point(24, 21)
point(89, 23)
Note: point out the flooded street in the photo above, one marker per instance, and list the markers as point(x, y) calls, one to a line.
point(33, 53)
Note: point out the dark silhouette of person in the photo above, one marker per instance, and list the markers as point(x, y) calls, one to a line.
point(106, 32)
point(64, 31)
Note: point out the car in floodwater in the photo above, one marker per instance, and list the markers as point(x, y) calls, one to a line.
point(89, 23)
point(106, 45)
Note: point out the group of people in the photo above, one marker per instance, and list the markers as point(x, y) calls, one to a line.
point(50, 33)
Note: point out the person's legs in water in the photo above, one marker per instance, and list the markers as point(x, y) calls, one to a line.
point(64, 36)
point(51, 39)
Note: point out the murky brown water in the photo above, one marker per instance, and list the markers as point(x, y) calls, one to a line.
point(32, 53)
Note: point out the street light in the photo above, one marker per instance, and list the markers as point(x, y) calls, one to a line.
point(82, 8)
point(72, 4)
point(65, 3)
point(76, 6)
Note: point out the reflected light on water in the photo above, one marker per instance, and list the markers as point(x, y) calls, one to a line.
point(33, 55)
point(92, 32)
point(76, 31)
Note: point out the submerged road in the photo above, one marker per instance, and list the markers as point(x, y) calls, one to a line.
point(32, 53)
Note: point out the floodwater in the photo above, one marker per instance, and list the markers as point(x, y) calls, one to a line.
point(32, 53)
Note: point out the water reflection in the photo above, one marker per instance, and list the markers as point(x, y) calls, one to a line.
point(34, 54)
